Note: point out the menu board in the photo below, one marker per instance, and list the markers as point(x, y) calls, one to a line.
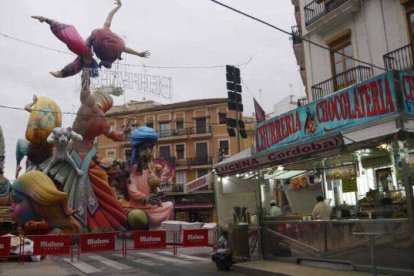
point(349, 185)
point(341, 172)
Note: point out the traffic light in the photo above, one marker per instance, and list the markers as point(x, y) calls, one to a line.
point(234, 88)
point(234, 101)
point(231, 122)
point(231, 132)
point(232, 74)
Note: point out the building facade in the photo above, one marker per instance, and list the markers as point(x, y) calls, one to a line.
point(351, 145)
point(377, 34)
point(194, 135)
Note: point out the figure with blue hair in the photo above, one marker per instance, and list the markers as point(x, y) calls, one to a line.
point(147, 210)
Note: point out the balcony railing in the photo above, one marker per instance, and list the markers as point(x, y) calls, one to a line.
point(182, 163)
point(296, 35)
point(200, 160)
point(318, 8)
point(201, 129)
point(173, 132)
point(400, 59)
point(302, 101)
point(341, 81)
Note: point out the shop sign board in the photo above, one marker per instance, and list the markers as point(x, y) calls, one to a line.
point(5, 246)
point(195, 237)
point(150, 239)
point(362, 103)
point(349, 185)
point(341, 172)
point(51, 245)
point(279, 156)
point(407, 86)
point(98, 242)
point(197, 183)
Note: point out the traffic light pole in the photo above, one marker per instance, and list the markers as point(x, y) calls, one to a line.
point(238, 130)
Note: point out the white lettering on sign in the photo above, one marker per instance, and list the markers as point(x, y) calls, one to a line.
point(150, 239)
point(1, 246)
point(197, 183)
point(160, 86)
point(97, 242)
point(195, 237)
point(278, 157)
point(51, 244)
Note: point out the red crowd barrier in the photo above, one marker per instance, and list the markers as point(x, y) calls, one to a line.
point(97, 242)
point(5, 246)
point(195, 237)
point(51, 245)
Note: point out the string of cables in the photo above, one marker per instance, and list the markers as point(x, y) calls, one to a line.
point(127, 64)
point(294, 35)
point(109, 116)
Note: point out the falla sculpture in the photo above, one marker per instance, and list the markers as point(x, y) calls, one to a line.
point(74, 168)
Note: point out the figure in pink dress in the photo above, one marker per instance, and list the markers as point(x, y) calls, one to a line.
point(142, 173)
point(107, 45)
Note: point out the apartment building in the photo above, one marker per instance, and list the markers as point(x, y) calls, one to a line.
point(378, 34)
point(192, 133)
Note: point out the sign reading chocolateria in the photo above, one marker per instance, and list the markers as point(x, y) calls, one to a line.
point(407, 87)
point(368, 101)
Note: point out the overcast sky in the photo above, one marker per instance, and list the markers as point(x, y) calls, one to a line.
point(179, 33)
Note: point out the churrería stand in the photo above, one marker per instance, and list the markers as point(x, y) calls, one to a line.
point(356, 149)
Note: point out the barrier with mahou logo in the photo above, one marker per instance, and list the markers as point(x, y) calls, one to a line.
point(75, 245)
point(5, 246)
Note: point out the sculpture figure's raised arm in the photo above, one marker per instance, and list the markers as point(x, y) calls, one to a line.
point(111, 14)
point(86, 96)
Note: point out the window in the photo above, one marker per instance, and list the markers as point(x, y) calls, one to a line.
point(179, 151)
point(341, 64)
point(201, 125)
point(222, 118)
point(111, 154)
point(181, 177)
point(165, 151)
point(151, 125)
point(165, 129)
point(179, 124)
point(409, 9)
point(201, 172)
point(128, 154)
point(224, 147)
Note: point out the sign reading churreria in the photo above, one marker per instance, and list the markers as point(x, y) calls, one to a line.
point(150, 239)
point(407, 86)
point(196, 237)
point(362, 103)
point(51, 245)
point(98, 242)
point(279, 157)
point(198, 183)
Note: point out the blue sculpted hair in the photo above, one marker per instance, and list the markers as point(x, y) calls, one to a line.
point(140, 136)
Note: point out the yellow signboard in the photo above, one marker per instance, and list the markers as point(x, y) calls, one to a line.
point(349, 185)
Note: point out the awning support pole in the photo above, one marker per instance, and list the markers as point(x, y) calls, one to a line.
point(407, 186)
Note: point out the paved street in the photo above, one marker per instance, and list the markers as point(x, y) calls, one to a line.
point(191, 261)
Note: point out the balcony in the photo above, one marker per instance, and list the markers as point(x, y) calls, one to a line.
point(302, 102)
point(400, 59)
point(352, 76)
point(321, 12)
point(200, 161)
point(182, 163)
point(201, 130)
point(174, 133)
